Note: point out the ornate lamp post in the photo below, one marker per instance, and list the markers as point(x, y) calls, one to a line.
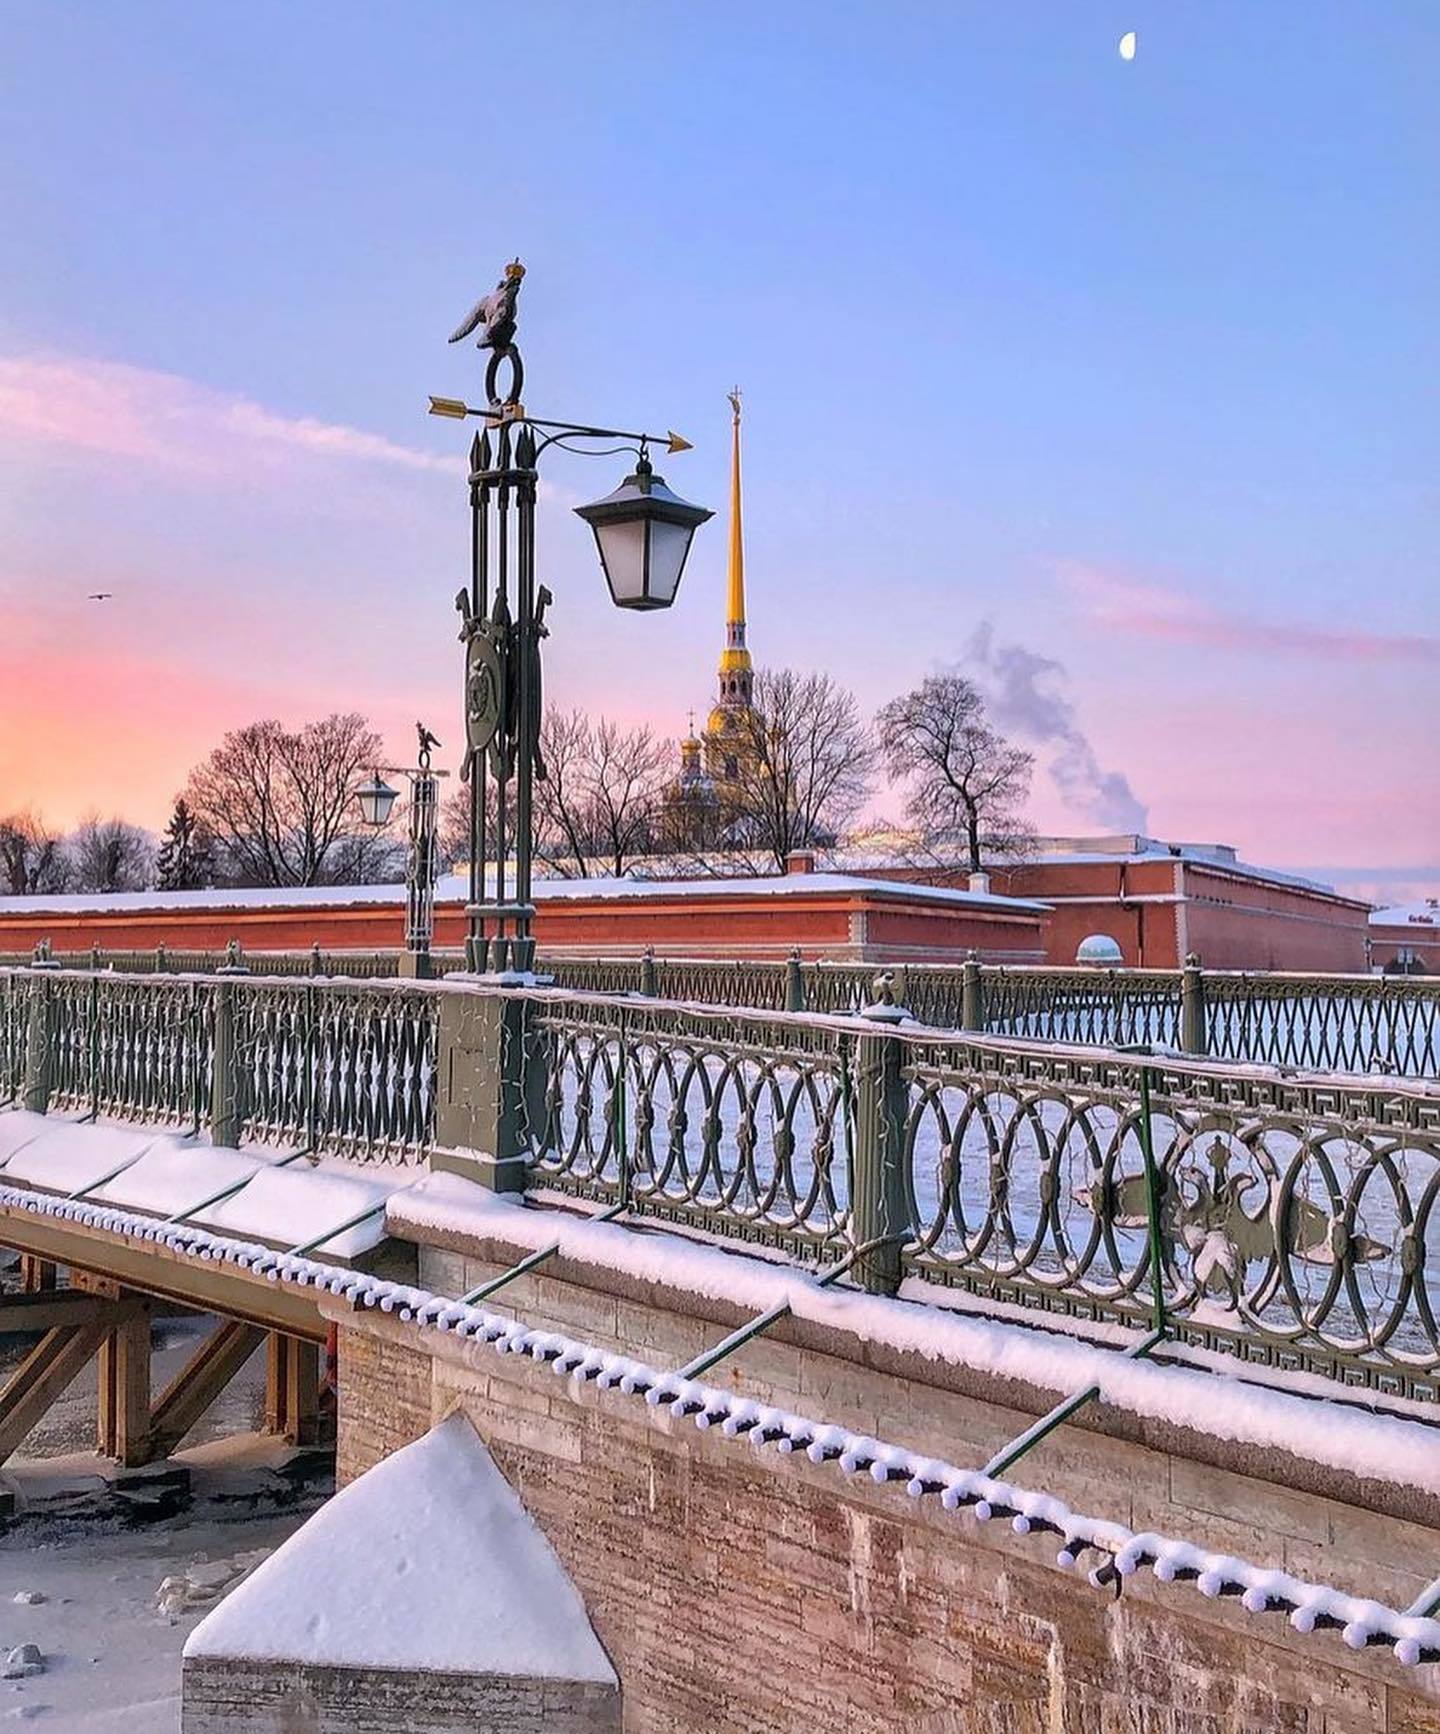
point(377, 800)
point(643, 532)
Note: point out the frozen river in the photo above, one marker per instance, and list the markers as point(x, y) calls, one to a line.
point(112, 1657)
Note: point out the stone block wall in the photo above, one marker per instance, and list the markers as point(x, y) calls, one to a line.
point(739, 1590)
point(226, 1696)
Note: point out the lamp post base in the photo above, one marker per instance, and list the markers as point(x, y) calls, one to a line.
point(415, 966)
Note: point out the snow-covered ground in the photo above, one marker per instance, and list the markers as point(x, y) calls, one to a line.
point(111, 1649)
point(111, 1642)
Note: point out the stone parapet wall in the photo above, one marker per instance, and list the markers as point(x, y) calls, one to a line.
point(743, 1590)
point(230, 1696)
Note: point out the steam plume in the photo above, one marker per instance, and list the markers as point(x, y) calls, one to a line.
point(1020, 689)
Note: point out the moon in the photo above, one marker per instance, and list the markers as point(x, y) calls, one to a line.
point(1127, 45)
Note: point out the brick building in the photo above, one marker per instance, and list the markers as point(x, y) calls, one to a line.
point(1405, 940)
point(1160, 901)
point(824, 915)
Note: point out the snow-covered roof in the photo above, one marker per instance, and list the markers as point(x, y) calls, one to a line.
point(452, 888)
point(428, 1561)
point(1426, 914)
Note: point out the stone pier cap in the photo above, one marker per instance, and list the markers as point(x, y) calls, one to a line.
point(424, 1580)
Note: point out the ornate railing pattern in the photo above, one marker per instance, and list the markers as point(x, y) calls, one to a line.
point(14, 1016)
point(341, 1067)
point(1095, 1008)
point(1341, 1023)
point(1299, 1222)
point(1297, 1219)
point(679, 1113)
point(132, 1047)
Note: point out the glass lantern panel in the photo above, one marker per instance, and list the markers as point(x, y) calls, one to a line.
point(622, 552)
point(669, 544)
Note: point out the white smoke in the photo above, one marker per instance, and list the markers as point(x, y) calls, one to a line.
point(1021, 695)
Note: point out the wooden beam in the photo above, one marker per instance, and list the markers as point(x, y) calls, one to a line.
point(200, 1381)
point(207, 1286)
point(277, 1360)
point(292, 1389)
point(41, 1377)
point(123, 1410)
point(302, 1393)
point(36, 1274)
point(44, 1310)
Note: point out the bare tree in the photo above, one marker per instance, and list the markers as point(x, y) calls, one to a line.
point(280, 802)
point(110, 855)
point(630, 772)
point(599, 803)
point(965, 782)
point(804, 765)
point(564, 829)
point(453, 832)
point(32, 858)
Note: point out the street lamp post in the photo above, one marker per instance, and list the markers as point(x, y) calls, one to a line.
point(377, 800)
point(643, 532)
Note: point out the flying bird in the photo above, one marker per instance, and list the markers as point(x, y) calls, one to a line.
point(100, 596)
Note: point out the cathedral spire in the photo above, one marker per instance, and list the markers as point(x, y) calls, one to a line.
point(735, 666)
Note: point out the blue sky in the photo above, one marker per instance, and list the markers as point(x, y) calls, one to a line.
point(1136, 362)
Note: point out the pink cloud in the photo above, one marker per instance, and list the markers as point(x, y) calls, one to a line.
point(79, 404)
point(1149, 610)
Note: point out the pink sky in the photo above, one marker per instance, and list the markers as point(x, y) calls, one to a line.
point(273, 563)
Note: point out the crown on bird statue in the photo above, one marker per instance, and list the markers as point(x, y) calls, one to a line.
point(514, 271)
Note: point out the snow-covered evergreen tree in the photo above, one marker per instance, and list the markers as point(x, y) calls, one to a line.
point(187, 855)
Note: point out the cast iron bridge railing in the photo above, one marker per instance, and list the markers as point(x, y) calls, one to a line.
point(1288, 1220)
point(1329, 1023)
point(339, 1067)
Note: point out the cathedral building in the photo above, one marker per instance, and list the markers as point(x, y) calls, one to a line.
point(709, 765)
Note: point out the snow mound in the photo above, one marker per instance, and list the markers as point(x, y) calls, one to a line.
point(175, 1175)
point(298, 1207)
point(428, 1561)
point(19, 1127)
point(65, 1156)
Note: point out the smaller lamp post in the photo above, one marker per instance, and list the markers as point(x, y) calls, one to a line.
point(377, 801)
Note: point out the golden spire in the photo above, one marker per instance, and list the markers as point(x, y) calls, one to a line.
point(735, 658)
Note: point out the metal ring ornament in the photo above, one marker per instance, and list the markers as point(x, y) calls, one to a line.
point(512, 397)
